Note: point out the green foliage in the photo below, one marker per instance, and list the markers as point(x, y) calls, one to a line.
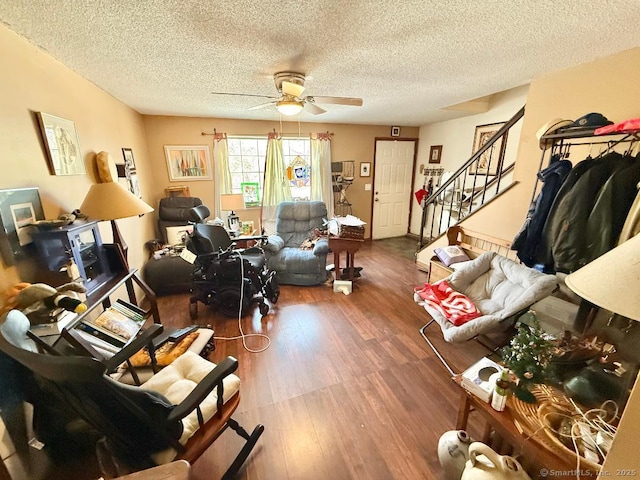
point(529, 354)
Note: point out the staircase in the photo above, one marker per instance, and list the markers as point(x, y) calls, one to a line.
point(469, 188)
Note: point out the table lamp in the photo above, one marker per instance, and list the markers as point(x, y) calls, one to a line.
point(111, 201)
point(612, 281)
point(231, 202)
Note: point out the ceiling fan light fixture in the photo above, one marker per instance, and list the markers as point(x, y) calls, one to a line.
point(289, 107)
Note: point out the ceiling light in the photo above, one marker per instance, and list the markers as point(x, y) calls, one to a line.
point(289, 107)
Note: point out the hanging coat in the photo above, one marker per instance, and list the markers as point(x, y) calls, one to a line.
point(570, 219)
point(527, 240)
point(610, 211)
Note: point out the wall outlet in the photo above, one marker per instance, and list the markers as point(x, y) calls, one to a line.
point(367, 187)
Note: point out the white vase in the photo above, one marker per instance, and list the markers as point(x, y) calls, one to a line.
point(453, 453)
point(485, 464)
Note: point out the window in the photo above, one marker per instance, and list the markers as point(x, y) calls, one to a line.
point(247, 158)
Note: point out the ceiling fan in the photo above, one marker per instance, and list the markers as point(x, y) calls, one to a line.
point(290, 85)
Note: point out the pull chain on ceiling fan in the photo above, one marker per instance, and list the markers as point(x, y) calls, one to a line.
point(291, 102)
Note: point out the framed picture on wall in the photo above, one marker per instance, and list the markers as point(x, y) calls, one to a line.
point(188, 162)
point(365, 169)
point(62, 145)
point(489, 162)
point(19, 209)
point(129, 162)
point(435, 154)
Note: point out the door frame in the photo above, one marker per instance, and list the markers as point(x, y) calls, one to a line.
point(413, 175)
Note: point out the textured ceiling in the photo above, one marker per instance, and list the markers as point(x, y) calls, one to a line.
point(407, 59)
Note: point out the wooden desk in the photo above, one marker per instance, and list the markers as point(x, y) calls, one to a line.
point(349, 245)
point(534, 455)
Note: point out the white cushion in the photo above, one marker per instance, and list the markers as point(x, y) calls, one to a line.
point(178, 379)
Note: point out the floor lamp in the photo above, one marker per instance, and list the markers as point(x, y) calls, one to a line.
point(111, 201)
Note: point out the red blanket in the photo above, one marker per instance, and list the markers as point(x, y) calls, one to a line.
point(456, 307)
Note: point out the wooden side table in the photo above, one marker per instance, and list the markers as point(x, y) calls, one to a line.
point(349, 245)
point(537, 457)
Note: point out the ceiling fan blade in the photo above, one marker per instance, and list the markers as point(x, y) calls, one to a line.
point(355, 102)
point(313, 109)
point(243, 95)
point(292, 89)
point(262, 105)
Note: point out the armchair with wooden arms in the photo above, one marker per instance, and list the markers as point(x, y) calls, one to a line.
point(176, 415)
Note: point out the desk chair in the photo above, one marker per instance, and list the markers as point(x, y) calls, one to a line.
point(176, 415)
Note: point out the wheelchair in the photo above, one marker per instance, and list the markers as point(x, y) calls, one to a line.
point(227, 280)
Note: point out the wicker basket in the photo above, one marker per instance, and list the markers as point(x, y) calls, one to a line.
point(540, 420)
point(349, 231)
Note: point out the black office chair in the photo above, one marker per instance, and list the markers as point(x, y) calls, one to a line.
point(142, 427)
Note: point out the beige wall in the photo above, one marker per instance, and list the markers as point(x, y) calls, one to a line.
point(32, 81)
point(349, 142)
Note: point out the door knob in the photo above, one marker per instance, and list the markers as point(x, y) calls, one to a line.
point(375, 200)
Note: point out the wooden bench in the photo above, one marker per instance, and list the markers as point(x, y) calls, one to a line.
point(473, 244)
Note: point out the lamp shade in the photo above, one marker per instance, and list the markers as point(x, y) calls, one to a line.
point(289, 107)
point(612, 281)
point(110, 201)
point(231, 201)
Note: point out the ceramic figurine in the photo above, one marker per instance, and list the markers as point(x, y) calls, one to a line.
point(453, 452)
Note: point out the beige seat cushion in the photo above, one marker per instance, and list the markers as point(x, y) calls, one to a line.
point(177, 380)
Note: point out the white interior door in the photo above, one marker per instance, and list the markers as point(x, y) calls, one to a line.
point(392, 188)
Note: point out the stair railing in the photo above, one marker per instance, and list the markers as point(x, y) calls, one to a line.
point(459, 200)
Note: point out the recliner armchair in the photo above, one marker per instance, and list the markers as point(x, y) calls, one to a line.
point(175, 211)
point(295, 223)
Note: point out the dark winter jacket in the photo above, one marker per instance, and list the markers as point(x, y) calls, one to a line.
point(569, 223)
point(527, 240)
point(610, 210)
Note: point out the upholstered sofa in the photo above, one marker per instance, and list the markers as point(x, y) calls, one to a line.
point(295, 223)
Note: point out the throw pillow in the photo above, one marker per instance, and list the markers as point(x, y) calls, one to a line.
point(451, 254)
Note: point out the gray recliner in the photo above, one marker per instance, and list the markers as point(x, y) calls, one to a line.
point(295, 223)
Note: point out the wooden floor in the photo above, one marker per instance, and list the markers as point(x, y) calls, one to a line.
point(348, 388)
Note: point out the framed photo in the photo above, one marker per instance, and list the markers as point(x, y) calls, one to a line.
point(435, 154)
point(129, 162)
point(251, 194)
point(134, 186)
point(188, 162)
point(365, 169)
point(395, 131)
point(62, 145)
point(177, 191)
point(19, 209)
point(489, 162)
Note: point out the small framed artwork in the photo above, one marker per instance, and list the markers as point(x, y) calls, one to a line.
point(435, 154)
point(248, 228)
point(489, 162)
point(365, 169)
point(19, 210)
point(62, 145)
point(177, 191)
point(188, 162)
point(129, 162)
point(395, 131)
point(134, 186)
point(251, 194)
